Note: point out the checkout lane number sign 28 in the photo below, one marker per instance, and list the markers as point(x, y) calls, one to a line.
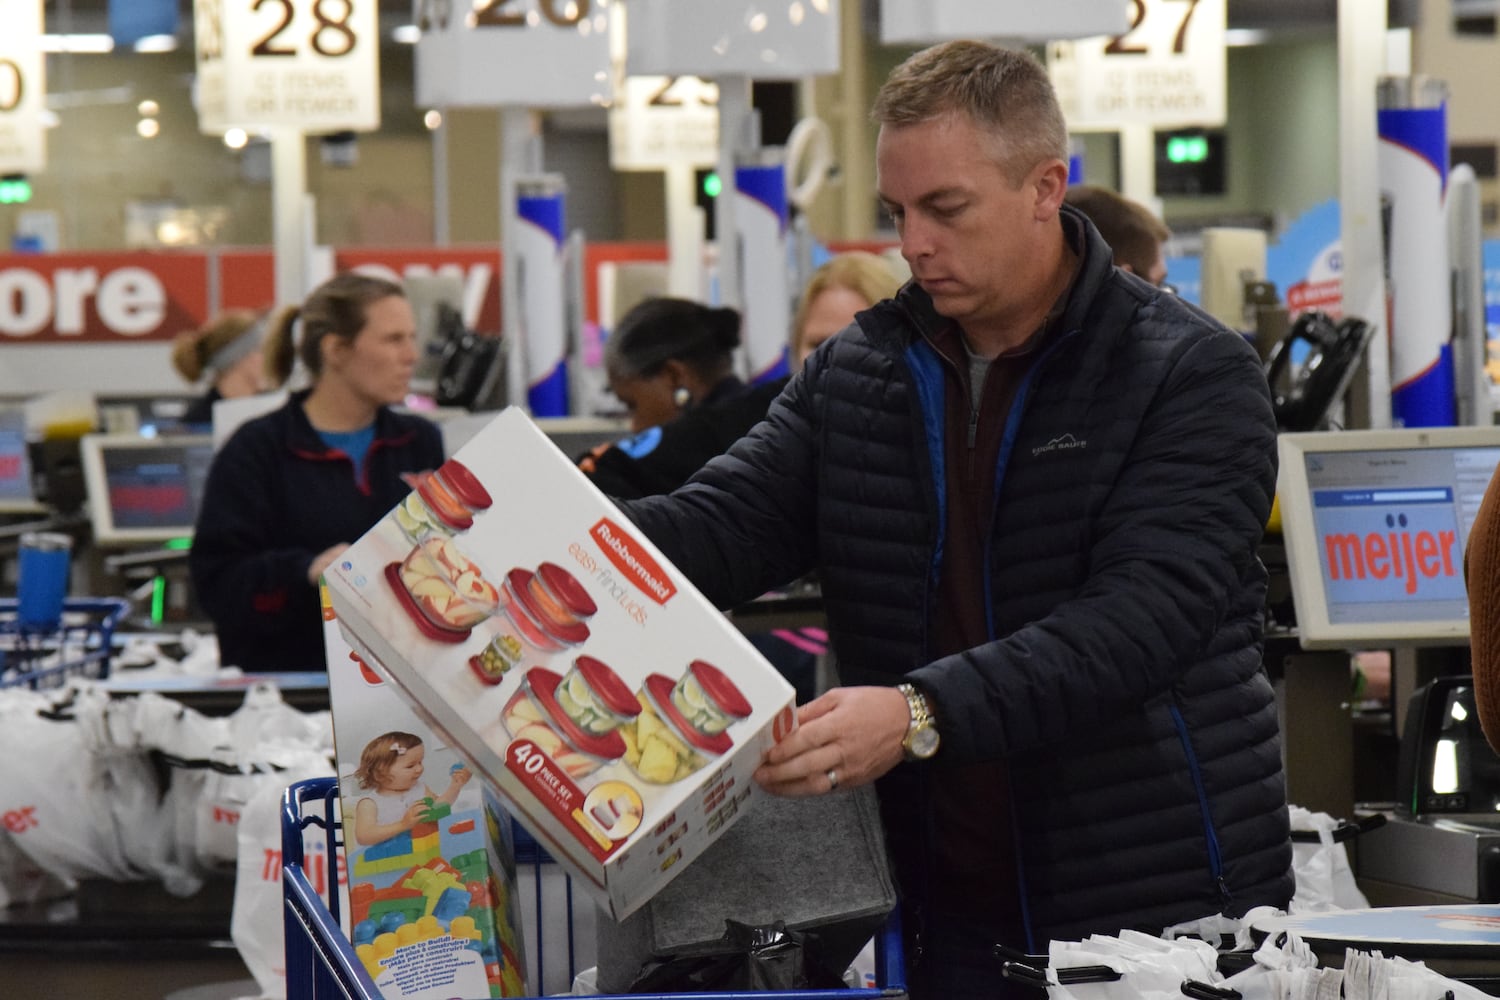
point(332, 36)
point(310, 64)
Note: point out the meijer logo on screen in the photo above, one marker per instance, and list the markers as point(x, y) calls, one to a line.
point(1396, 554)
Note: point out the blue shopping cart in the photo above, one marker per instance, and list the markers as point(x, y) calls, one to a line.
point(322, 965)
point(78, 646)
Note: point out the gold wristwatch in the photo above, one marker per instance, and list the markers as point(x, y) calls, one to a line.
point(921, 740)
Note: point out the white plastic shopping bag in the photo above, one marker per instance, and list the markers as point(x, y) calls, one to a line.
point(1324, 879)
point(257, 922)
point(57, 808)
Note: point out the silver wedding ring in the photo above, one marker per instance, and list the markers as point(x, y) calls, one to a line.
point(833, 780)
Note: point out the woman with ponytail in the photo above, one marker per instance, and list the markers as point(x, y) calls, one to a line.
point(227, 351)
point(291, 489)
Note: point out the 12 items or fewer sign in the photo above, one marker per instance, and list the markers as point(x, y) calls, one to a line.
point(618, 712)
point(312, 65)
point(1167, 69)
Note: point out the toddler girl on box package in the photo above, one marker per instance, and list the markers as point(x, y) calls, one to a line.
point(433, 912)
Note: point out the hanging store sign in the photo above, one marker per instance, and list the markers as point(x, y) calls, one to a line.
point(311, 65)
point(1166, 69)
point(659, 121)
point(23, 137)
point(513, 53)
point(902, 21)
point(733, 38)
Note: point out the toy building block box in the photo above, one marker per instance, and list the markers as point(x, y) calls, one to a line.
point(432, 906)
point(620, 715)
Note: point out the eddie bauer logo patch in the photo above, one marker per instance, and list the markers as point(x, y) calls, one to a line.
point(1066, 442)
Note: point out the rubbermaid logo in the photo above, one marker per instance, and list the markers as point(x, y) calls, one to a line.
point(627, 555)
point(1066, 442)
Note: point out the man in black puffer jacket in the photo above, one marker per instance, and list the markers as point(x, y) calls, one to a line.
point(1033, 486)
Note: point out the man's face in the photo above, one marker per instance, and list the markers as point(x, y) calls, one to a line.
point(972, 238)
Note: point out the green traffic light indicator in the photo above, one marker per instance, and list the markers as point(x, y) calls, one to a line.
point(712, 185)
point(14, 190)
point(1187, 149)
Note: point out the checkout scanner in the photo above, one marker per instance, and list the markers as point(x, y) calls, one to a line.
point(1441, 841)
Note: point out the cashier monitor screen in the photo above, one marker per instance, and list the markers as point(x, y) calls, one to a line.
point(1375, 525)
point(145, 489)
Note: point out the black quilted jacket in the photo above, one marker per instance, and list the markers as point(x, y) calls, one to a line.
point(1124, 686)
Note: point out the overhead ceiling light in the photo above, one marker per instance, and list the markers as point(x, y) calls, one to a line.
point(1239, 38)
point(156, 43)
point(78, 43)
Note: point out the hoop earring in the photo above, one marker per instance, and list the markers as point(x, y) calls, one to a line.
point(682, 397)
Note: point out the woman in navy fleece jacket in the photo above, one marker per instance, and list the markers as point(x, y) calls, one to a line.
point(291, 489)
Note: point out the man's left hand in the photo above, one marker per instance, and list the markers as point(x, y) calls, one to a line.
point(847, 738)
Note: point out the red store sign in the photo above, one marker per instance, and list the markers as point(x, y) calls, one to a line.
point(69, 298)
point(146, 296)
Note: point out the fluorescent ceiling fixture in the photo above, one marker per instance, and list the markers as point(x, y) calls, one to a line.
point(156, 43)
point(1239, 38)
point(77, 43)
point(406, 34)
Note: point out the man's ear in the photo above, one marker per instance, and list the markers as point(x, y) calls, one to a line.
point(1050, 182)
point(1124, 266)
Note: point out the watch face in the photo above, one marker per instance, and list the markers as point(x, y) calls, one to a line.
point(924, 742)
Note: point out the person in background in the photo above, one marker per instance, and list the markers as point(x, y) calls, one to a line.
point(667, 356)
point(1137, 237)
point(291, 489)
point(671, 362)
point(842, 286)
point(674, 441)
point(228, 351)
point(1033, 487)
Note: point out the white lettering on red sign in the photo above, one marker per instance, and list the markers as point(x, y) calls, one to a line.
point(476, 279)
point(130, 301)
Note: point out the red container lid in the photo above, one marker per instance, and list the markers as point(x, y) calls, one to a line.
point(441, 510)
point(565, 587)
point(720, 689)
point(608, 687)
point(465, 485)
point(659, 691)
point(541, 684)
point(519, 581)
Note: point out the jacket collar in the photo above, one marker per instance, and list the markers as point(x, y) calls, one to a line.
point(303, 438)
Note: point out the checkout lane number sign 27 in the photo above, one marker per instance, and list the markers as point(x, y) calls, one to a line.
point(1166, 69)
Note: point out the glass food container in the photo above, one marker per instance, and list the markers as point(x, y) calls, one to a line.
point(667, 744)
point(533, 714)
point(442, 503)
point(445, 588)
point(548, 625)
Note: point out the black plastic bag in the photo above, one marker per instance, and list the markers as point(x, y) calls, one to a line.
point(749, 958)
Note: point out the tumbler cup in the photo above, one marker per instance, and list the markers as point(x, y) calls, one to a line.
point(42, 582)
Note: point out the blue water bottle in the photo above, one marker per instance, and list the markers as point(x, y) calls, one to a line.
point(42, 581)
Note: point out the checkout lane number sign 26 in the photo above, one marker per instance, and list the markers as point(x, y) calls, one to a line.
point(436, 14)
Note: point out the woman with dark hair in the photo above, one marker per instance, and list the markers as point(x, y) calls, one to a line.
point(667, 356)
point(671, 362)
point(291, 489)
